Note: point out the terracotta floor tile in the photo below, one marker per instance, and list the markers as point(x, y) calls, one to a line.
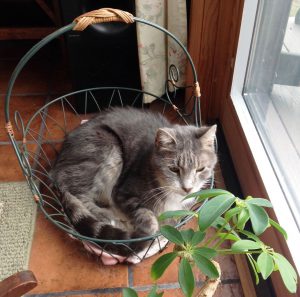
point(223, 290)
point(61, 264)
point(34, 77)
point(229, 290)
point(10, 169)
point(141, 272)
point(57, 123)
point(97, 295)
point(167, 293)
point(26, 106)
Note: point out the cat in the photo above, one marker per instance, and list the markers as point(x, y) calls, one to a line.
point(118, 171)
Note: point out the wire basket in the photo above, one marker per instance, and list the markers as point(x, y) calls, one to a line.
point(39, 147)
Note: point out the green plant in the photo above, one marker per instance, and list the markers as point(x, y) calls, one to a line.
point(228, 215)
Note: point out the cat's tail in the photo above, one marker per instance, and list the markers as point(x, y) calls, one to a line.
point(99, 227)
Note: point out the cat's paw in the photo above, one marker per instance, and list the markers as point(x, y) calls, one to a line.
point(145, 222)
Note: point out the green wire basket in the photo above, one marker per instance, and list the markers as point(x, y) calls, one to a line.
point(39, 148)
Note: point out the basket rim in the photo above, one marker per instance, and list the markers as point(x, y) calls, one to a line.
point(34, 181)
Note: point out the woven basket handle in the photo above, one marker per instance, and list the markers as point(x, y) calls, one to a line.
point(103, 15)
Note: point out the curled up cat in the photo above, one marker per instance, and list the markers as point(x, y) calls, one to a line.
point(120, 170)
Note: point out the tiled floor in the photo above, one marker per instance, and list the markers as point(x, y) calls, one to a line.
point(61, 265)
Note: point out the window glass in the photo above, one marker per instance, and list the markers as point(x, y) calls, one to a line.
point(272, 91)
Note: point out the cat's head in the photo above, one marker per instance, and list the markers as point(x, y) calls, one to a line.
point(184, 158)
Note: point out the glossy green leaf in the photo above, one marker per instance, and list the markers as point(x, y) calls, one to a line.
point(251, 235)
point(205, 265)
point(279, 228)
point(213, 209)
point(266, 264)
point(153, 293)
point(232, 212)
point(161, 264)
point(229, 236)
point(205, 252)
point(175, 214)
point(287, 272)
point(172, 234)
point(187, 235)
point(128, 292)
point(197, 237)
point(221, 222)
point(186, 277)
point(245, 245)
point(243, 217)
point(209, 193)
point(260, 202)
point(259, 218)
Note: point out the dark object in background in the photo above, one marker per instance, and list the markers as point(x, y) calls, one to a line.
point(103, 54)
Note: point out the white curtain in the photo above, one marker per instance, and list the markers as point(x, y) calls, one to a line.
point(156, 51)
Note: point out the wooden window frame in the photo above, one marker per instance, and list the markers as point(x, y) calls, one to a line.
point(213, 41)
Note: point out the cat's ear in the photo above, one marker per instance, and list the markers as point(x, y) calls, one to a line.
point(165, 139)
point(207, 136)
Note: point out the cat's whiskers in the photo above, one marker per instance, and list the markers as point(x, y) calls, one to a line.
point(159, 190)
point(163, 192)
point(149, 199)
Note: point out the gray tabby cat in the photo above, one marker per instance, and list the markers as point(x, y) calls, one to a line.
point(117, 172)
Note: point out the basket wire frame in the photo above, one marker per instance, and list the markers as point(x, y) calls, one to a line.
point(39, 146)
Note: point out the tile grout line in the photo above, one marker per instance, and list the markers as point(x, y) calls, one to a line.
point(165, 286)
point(130, 276)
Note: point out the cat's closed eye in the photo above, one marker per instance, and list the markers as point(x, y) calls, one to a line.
point(200, 169)
point(174, 169)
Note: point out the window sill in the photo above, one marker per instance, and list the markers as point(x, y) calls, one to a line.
point(267, 177)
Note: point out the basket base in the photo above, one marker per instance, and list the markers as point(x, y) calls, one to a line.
point(113, 259)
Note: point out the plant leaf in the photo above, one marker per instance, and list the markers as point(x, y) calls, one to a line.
point(254, 268)
point(187, 235)
point(175, 214)
point(153, 293)
point(197, 237)
point(243, 217)
point(231, 212)
point(172, 234)
point(229, 236)
point(221, 222)
point(186, 277)
point(245, 245)
point(279, 228)
point(287, 272)
point(260, 202)
point(128, 292)
point(213, 209)
point(209, 193)
point(259, 218)
point(205, 265)
point(251, 235)
point(161, 264)
point(205, 252)
point(266, 264)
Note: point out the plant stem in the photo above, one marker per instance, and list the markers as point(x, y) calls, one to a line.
point(216, 234)
point(231, 252)
point(224, 237)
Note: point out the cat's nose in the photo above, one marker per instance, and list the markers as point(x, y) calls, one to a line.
point(188, 190)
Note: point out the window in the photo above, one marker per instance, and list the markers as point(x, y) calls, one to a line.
point(272, 92)
point(266, 96)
